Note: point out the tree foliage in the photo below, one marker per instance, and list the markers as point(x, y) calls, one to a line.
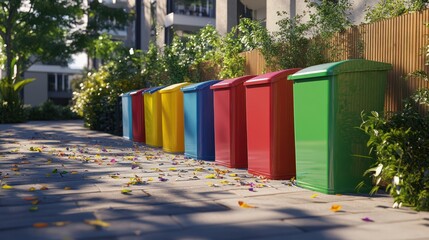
point(47, 31)
point(393, 8)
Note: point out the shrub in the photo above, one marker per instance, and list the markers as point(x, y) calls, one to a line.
point(96, 99)
point(393, 8)
point(50, 111)
point(400, 146)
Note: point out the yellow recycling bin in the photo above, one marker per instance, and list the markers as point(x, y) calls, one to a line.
point(172, 118)
point(152, 116)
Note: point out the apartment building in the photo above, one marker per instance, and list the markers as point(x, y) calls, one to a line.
point(160, 19)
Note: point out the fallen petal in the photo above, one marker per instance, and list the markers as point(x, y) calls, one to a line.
point(60, 224)
point(245, 205)
point(40, 225)
point(367, 219)
point(5, 186)
point(97, 223)
point(335, 208)
point(126, 191)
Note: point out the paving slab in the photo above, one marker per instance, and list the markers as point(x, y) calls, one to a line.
point(56, 175)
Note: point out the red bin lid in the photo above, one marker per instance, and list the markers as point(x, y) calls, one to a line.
point(138, 91)
point(271, 77)
point(231, 82)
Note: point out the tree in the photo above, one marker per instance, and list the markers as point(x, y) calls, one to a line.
point(31, 31)
point(45, 31)
point(393, 8)
point(101, 20)
point(37, 30)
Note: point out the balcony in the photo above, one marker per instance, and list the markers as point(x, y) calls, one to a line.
point(187, 23)
point(64, 94)
point(190, 15)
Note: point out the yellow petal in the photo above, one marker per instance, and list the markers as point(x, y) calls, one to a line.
point(314, 195)
point(245, 205)
point(32, 189)
point(126, 191)
point(97, 223)
point(336, 207)
point(60, 224)
point(33, 208)
point(210, 176)
point(173, 169)
point(6, 187)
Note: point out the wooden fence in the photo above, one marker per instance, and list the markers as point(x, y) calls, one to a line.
point(399, 41)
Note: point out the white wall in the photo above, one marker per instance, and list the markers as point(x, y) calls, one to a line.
point(36, 92)
point(226, 15)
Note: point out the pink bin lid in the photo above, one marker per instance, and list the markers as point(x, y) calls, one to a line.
point(271, 77)
point(231, 82)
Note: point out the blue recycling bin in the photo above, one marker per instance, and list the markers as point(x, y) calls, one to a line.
point(199, 120)
point(127, 117)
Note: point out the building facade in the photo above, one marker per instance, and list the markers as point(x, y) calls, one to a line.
point(161, 19)
point(52, 83)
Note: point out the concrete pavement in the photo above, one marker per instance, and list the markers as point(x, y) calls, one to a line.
point(62, 181)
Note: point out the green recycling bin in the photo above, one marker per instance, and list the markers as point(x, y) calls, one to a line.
point(328, 101)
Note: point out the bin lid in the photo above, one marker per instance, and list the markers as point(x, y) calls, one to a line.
point(126, 94)
point(335, 68)
point(271, 77)
point(138, 91)
point(174, 87)
point(199, 86)
point(231, 82)
point(154, 89)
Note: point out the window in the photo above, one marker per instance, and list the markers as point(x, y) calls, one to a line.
point(58, 82)
point(51, 82)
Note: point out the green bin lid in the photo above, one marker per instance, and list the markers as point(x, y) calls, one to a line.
point(174, 87)
point(198, 86)
point(335, 68)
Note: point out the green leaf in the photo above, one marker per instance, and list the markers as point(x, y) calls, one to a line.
point(19, 85)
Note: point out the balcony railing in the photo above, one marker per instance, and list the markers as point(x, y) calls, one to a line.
point(202, 8)
point(64, 94)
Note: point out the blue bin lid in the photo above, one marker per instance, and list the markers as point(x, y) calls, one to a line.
point(199, 86)
point(126, 94)
point(153, 89)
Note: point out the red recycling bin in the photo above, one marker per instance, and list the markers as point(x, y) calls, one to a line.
point(270, 128)
point(138, 116)
point(229, 102)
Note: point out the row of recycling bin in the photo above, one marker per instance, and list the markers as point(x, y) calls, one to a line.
point(294, 122)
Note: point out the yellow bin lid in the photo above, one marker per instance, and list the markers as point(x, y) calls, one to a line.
point(174, 87)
